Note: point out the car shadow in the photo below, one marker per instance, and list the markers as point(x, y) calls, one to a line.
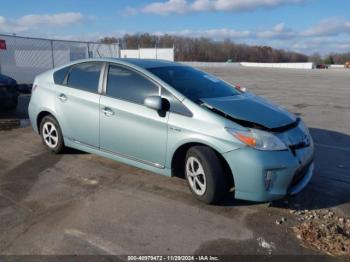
point(330, 185)
point(73, 151)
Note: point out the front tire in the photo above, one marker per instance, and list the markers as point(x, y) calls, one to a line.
point(205, 174)
point(51, 134)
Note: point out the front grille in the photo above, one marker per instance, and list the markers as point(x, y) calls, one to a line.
point(300, 174)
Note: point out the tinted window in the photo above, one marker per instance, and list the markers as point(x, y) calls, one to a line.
point(128, 85)
point(175, 105)
point(85, 76)
point(60, 75)
point(193, 83)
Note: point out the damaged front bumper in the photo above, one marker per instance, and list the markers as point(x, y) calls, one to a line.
point(270, 175)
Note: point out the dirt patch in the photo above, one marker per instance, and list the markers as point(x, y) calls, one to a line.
point(301, 105)
point(324, 231)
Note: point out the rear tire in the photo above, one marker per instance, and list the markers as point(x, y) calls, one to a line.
point(51, 134)
point(205, 174)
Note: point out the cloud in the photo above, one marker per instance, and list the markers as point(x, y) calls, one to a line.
point(279, 31)
point(325, 28)
point(129, 11)
point(188, 6)
point(323, 45)
point(280, 36)
point(28, 22)
point(220, 33)
point(239, 5)
point(9, 27)
point(59, 19)
point(163, 8)
point(227, 33)
point(329, 27)
point(344, 46)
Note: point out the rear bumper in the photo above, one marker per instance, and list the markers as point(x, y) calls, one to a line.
point(270, 175)
point(33, 113)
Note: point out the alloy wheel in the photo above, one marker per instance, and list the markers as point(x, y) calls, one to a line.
point(50, 134)
point(196, 176)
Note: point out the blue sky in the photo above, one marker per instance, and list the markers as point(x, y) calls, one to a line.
point(306, 26)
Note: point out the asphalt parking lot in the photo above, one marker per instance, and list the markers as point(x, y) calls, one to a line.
point(78, 203)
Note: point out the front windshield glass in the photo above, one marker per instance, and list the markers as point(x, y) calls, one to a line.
point(192, 83)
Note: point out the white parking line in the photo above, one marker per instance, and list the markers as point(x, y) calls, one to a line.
point(108, 247)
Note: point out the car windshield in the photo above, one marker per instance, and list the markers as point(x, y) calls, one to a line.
point(193, 83)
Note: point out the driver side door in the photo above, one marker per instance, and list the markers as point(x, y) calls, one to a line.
point(127, 127)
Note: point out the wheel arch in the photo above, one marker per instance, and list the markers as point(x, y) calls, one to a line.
point(178, 160)
point(40, 117)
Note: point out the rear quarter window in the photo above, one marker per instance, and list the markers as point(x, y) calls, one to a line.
point(60, 75)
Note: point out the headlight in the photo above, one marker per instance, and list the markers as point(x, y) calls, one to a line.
point(258, 139)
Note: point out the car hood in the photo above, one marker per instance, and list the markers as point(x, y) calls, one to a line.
point(253, 109)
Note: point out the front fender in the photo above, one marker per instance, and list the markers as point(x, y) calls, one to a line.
point(177, 141)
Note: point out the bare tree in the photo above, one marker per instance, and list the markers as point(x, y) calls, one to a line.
point(208, 50)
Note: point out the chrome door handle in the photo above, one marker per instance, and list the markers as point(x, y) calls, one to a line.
point(62, 97)
point(107, 111)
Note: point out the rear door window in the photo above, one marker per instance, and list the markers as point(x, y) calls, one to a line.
point(85, 76)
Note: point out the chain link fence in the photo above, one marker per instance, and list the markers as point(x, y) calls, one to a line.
point(22, 58)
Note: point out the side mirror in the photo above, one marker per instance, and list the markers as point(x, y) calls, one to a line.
point(154, 102)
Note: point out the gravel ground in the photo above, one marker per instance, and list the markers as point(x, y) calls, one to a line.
point(324, 230)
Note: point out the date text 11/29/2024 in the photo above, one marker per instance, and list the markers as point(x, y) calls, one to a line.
point(173, 258)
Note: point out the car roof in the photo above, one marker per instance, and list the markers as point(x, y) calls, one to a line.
point(147, 63)
point(141, 63)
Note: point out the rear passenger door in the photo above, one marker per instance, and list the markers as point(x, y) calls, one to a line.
point(128, 128)
point(77, 102)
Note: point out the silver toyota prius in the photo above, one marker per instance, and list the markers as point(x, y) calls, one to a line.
point(174, 120)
